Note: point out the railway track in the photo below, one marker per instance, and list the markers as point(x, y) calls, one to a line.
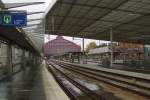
point(72, 84)
point(139, 70)
point(134, 84)
point(71, 90)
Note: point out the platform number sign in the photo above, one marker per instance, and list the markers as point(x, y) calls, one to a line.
point(13, 18)
point(7, 19)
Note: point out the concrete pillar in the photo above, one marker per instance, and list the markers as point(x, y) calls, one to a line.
point(9, 67)
point(30, 59)
point(13, 55)
point(23, 60)
point(111, 47)
point(83, 44)
point(34, 60)
point(53, 25)
point(84, 59)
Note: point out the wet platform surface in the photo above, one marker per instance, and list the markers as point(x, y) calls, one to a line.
point(31, 84)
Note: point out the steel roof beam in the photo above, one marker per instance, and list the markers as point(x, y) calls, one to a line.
point(80, 18)
point(68, 11)
point(108, 12)
point(16, 5)
point(31, 13)
point(30, 25)
point(95, 6)
point(1, 5)
point(30, 20)
point(30, 28)
point(98, 26)
point(41, 30)
point(35, 33)
point(132, 21)
point(91, 8)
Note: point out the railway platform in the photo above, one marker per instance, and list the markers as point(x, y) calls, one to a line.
point(117, 71)
point(119, 66)
point(31, 85)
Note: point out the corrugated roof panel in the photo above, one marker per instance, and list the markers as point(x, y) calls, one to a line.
point(120, 16)
point(124, 16)
point(138, 6)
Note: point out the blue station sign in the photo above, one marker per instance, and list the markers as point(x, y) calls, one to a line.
point(13, 18)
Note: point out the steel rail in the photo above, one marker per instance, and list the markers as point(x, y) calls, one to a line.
point(126, 82)
point(93, 94)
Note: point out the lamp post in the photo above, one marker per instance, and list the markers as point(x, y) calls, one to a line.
point(83, 44)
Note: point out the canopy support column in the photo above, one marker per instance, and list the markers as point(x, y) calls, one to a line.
point(83, 50)
point(9, 67)
point(111, 47)
point(23, 60)
point(53, 25)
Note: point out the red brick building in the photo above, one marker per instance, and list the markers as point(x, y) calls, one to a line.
point(130, 51)
point(60, 46)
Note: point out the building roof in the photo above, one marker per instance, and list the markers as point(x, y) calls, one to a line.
point(60, 46)
point(129, 19)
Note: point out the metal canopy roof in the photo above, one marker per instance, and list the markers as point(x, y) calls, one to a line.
point(129, 19)
point(35, 18)
point(13, 36)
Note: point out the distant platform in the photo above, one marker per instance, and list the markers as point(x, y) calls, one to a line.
point(117, 71)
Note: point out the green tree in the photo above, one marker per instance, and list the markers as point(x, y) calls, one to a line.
point(91, 45)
